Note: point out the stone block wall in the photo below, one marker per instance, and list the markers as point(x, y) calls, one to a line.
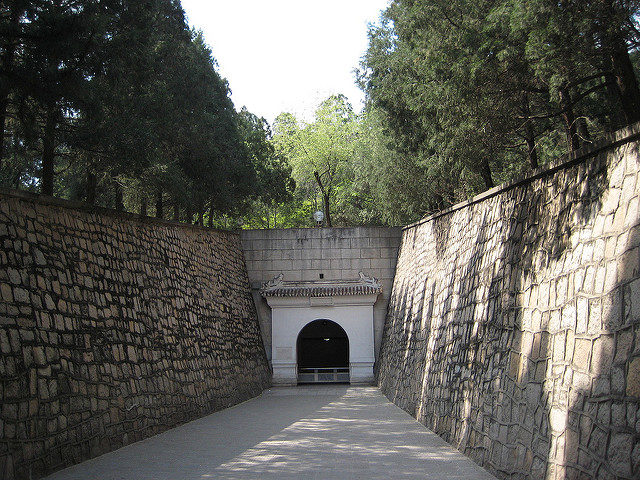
point(335, 253)
point(513, 328)
point(114, 328)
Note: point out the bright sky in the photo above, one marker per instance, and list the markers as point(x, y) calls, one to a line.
point(286, 55)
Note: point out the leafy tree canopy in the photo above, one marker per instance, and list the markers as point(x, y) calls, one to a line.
point(119, 103)
point(473, 93)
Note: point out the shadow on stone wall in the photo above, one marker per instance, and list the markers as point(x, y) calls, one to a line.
point(442, 228)
point(598, 436)
point(521, 353)
point(454, 342)
point(395, 324)
point(530, 434)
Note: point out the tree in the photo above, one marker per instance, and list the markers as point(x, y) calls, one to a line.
point(419, 68)
point(11, 26)
point(56, 49)
point(274, 184)
point(482, 90)
point(118, 103)
point(397, 188)
point(320, 151)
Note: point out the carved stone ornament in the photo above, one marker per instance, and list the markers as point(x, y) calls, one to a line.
point(275, 282)
point(368, 280)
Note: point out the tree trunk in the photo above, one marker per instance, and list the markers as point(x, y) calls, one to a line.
point(327, 213)
point(189, 214)
point(626, 83)
point(159, 204)
point(49, 150)
point(176, 211)
point(611, 88)
point(143, 205)
point(529, 134)
point(583, 130)
point(4, 101)
point(200, 214)
point(532, 152)
point(485, 173)
point(569, 119)
point(92, 183)
point(118, 197)
point(326, 195)
point(210, 220)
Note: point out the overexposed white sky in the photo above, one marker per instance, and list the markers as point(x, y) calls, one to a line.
point(286, 55)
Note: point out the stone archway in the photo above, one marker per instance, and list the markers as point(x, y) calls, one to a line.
point(322, 352)
point(348, 303)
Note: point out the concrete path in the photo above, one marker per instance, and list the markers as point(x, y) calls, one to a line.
point(314, 432)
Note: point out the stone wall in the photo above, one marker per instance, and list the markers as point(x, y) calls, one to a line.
point(114, 328)
point(334, 253)
point(513, 328)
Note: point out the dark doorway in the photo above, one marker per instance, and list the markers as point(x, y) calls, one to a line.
point(323, 353)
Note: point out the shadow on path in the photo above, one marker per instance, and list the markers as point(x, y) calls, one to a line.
point(328, 432)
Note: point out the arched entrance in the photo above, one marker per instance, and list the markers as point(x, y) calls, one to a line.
point(295, 309)
point(323, 353)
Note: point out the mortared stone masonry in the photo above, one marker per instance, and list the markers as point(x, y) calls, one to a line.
point(513, 328)
point(114, 328)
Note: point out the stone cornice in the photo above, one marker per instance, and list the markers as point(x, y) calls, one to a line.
point(323, 288)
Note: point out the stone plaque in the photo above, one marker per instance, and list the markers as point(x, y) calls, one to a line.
point(320, 301)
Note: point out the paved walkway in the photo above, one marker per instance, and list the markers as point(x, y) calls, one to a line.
point(314, 432)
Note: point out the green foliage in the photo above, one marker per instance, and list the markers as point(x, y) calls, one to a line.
point(274, 185)
point(321, 153)
point(274, 182)
point(476, 93)
point(119, 103)
point(400, 188)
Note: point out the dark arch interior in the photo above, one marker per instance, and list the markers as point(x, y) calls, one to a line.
point(322, 344)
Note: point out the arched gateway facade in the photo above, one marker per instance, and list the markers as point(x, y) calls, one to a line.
point(307, 321)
